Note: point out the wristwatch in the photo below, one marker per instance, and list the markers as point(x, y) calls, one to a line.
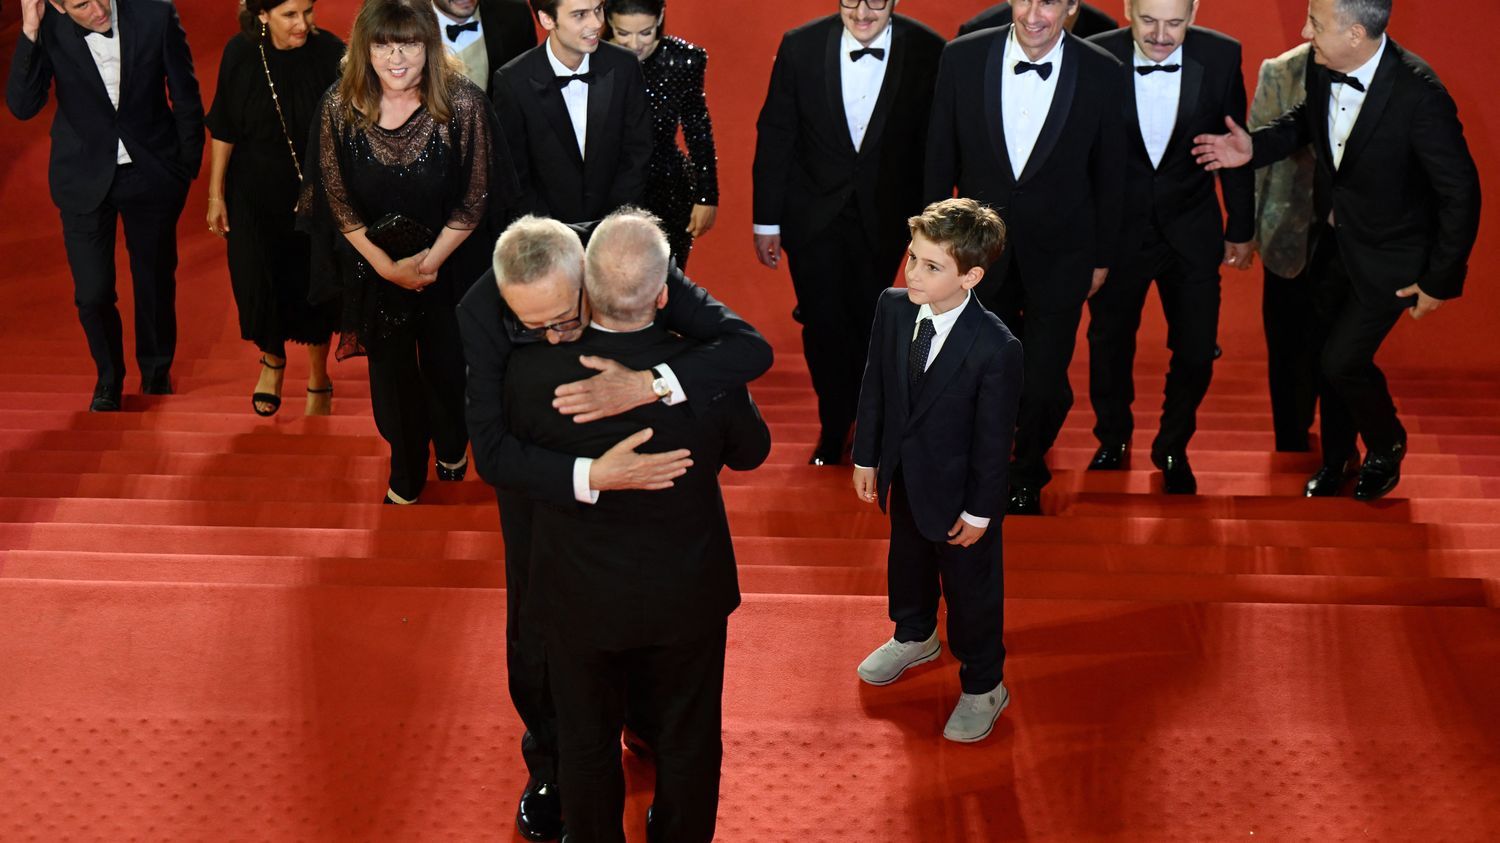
point(659, 384)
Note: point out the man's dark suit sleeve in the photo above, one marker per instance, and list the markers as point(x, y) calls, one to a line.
point(501, 459)
point(869, 421)
point(513, 121)
point(1438, 141)
point(731, 352)
point(1107, 164)
point(747, 439)
point(940, 171)
point(1287, 134)
point(1238, 183)
point(994, 429)
point(775, 142)
point(30, 79)
point(635, 142)
point(182, 85)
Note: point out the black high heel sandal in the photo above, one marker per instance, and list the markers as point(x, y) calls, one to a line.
point(259, 398)
point(325, 390)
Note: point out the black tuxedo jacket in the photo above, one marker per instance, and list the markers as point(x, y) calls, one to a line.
point(806, 167)
point(87, 129)
point(729, 352)
point(1063, 214)
point(635, 568)
point(1091, 21)
point(952, 439)
point(555, 181)
point(1179, 194)
point(1405, 198)
point(509, 31)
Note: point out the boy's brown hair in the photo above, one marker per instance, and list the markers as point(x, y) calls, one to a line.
point(972, 233)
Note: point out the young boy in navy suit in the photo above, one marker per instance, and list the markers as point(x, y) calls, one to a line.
point(937, 414)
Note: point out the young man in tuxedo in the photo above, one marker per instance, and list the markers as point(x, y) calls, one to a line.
point(1181, 81)
point(574, 112)
point(1027, 120)
point(1086, 24)
point(728, 353)
point(1395, 216)
point(484, 35)
point(836, 175)
point(936, 410)
point(120, 152)
point(637, 588)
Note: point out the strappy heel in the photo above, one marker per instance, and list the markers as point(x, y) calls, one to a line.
point(271, 398)
point(313, 393)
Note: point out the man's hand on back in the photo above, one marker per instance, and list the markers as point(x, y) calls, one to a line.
point(613, 391)
point(622, 468)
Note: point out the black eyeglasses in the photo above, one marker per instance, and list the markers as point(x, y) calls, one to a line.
point(521, 333)
point(875, 5)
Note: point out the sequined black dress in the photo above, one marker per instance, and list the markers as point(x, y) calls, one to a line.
point(268, 259)
point(678, 180)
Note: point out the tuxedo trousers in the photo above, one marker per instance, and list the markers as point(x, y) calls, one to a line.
point(1292, 368)
point(1189, 292)
point(838, 276)
point(148, 204)
point(682, 683)
point(919, 571)
point(525, 644)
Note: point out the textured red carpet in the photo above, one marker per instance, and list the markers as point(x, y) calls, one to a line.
point(208, 633)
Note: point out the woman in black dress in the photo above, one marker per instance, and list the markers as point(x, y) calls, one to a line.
point(683, 189)
point(407, 158)
point(271, 78)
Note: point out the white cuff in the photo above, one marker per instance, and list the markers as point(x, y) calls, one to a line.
point(581, 491)
point(676, 396)
point(767, 229)
point(864, 467)
point(975, 521)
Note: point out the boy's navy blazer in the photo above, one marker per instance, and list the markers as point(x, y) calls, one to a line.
point(951, 439)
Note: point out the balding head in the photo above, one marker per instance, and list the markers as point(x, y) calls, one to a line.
point(626, 269)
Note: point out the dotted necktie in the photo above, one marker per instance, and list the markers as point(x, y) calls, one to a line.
point(916, 361)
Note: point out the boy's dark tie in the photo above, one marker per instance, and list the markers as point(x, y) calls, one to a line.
point(916, 361)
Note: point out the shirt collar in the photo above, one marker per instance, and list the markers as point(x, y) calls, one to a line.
point(1366, 72)
point(560, 69)
point(943, 321)
point(1014, 53)
point(1143, 60)
point(444, 20)
point(848, 43)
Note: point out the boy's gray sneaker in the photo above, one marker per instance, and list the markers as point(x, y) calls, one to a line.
point(974, 716)
point(892, 658)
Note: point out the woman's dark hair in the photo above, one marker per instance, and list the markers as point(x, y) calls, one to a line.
point(654, 8)
point(250, 11)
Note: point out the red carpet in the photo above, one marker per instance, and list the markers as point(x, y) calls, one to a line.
point(207, 632)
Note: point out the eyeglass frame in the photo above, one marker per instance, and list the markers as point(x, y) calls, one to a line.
point(868, 3)
point(386, 52)
point(520, 333)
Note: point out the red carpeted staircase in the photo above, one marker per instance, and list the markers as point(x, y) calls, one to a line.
point(210, 630)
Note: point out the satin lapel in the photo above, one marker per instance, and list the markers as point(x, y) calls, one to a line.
point(833, 83)
point(1317, 111)
point(549, 99)
point(71, 39)
point(904, 326)
point(1375, 102)
point(890, 87)
point(1187, 102)
point(1057, 115)
point(130, 50)
point(601, 94)
point(948, 361)
point(994, 115)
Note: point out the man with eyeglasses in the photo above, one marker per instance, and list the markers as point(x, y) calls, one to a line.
point(1087, 23)
point(838, 154)
point(730, 353)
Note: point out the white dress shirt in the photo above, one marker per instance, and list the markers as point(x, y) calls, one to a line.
point(464, 38)
point(575, 95)
point(581, 466)
point(106, 53)
point(1025, 100)
point(1345, 102)
point(1156, 98)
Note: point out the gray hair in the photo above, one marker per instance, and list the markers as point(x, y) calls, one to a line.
point(532, 248)
point(627, 264)
point(1373, 15)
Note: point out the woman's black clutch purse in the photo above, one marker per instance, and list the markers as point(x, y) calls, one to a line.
point(400, 236)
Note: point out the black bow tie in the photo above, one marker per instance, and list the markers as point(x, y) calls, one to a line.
point(1346, 79)
point(877, 52)
point(585, 78)
point(1148, 69)
point(1043, 70)
point(86, 32)
point(457, 29)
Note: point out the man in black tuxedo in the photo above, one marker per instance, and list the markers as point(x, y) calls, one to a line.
point(119, 152)
point(638, 587)
point(1087, 23)
point(838, 153)
point(729, 353)
point(574, 111)
point(1181, 81)
point(1027, 120)
point(484, 35)
point(1396, 213)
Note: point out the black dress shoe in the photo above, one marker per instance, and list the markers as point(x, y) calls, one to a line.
point(106, 399)
point(157, 385)
point(1329, 480)
point(452, 475)
point(1176, 475)
point(539, 815)
point(1380, 473)
point(1024, 500)
point(1110, 458)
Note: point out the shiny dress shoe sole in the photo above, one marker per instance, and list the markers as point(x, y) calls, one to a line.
point(539, 813)
point(1110, 458)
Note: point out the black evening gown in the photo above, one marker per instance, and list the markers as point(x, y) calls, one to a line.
point(678, 180)
point(268, 259)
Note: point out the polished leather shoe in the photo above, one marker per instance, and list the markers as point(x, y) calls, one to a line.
point(1329, 480)
point(106, 399)
point(827, 453)
point(452, 475)
point(1110, 458)
point(1380, 473)
point(539, 815)
point(1176, 475)
point(1024, 500)
point(157, 385)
